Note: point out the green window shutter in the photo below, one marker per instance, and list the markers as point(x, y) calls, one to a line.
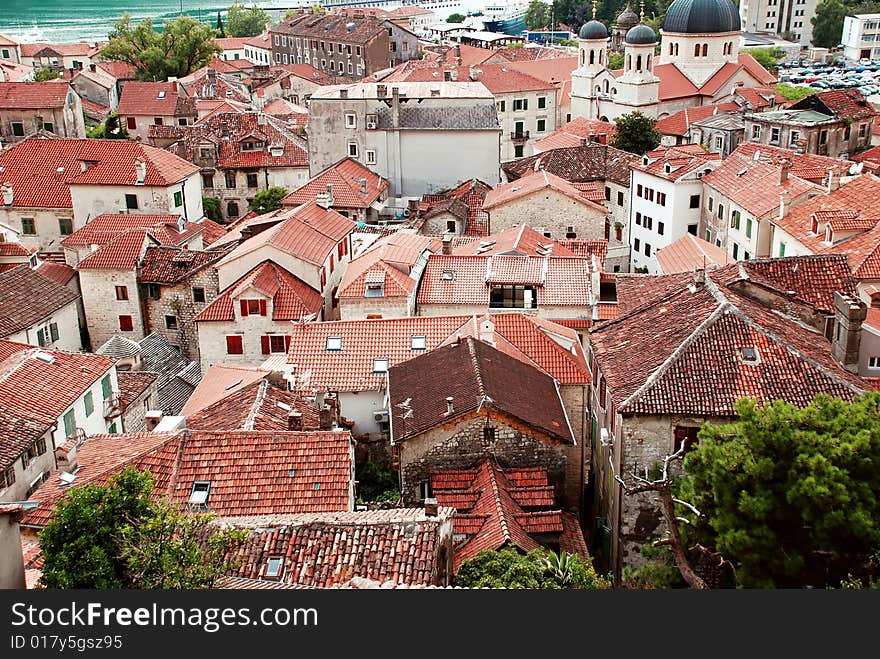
point(105, 386)
point(112, 428)
point(41, 337)
point(89, 401)
point(53, 331)
point(69, 423)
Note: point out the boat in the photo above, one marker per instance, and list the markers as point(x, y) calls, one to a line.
point(505, 17)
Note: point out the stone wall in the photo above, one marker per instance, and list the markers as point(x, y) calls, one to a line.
point(552, 211)
point(358, 308)
point(103, 309)
point(462, 447)
point(134, 419)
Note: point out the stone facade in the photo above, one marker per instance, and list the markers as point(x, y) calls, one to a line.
point(103, 309)
point(551, 212)
point(134, 419)
point(46, 223)
point(28, 478)
point(359, 308)
point(235, 188)
point(66, 121)
point(462, 446)
point(178, 301)
point(11, 561)
point(836, 138)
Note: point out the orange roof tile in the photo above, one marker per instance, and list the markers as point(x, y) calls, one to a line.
point(679, 123)
point(690, 252)
point(348, 190)
point(154, 99)
point(124, 252)
point(391, 258)
point(108, 226)
point(531, 183)
point(33, 95)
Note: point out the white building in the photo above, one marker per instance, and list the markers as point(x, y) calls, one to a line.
point(789, 18)
point(38, 311)
point(666, 193)
point(420, 136)
point(861, 36)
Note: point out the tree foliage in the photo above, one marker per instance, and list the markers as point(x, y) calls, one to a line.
point(537, 15)
point(211, 205)
point(181, 47)
point(828, 23)
point(636, 133)
point(245, 21)
point(789, 495)
point(615, 61)
point(793, 92)
point(539, 569)
point(455, 18)
point(377, 482)
point(44, 74)
point(115, 536)
point(768, 57)
point(268, 200)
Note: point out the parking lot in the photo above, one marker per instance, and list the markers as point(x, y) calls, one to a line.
point(863, 75)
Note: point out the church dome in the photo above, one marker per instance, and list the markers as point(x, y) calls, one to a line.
point(627, 18)
point(593, 30)
point(702, 17)
point(641, 34)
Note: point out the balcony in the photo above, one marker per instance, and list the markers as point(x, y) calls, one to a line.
point(519, 135)
point(113, 406)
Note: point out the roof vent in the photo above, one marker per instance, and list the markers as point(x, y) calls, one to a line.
point(749, 355)
point(447, 275)
point(44, 357)
point(450, 407)
point(233, 385)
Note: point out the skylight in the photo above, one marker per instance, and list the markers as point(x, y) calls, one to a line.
point(750, 354)
point(380, 365)
point(199, 494)
point(273, 567)
point(334, 343)
point(162, 94)
point(418, 343)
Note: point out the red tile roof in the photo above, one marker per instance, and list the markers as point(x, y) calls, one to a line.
point(400, 545)
point(592, 162)
point(520, 239)
point(292, 298)
point(40, 170)
point(534, 182)
point(840, 103)
point(124, 252)
point(60, 273)
point(575, 131)
point(27, 297)
point(170, 265)
point(807, 166)
point(108, 226)
point(132, 384)
point(812, 280)
point(33, 389)
point(490, 505)
point(682, 160)
point(674, 84)
point(81, 48)
point(679, 124)
point(219, 382)
point(348, 192)
point(17, 435)
point(308, 232)
point(690, 344)
point(33, 95)
point(16, 249)
point(551, 347)
point(154, 99)
point(251, 472)
point(390, 259)
point(555, 70)
point(119, 70)
point(497, 78)
point(478, 377)
point(688, 253)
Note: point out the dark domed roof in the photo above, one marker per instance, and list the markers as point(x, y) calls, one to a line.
point(702, 16)
point(641, 34)
point(593, 30)
point(627, 18)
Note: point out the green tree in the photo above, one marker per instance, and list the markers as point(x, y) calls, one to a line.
point(376, 482)
point(636, 133)
point(456, 18)
point(220, 30)
point(45, 74)
point(789, 495)
point(268, 200)
point(211, 206)
point(110, 129)
point(615, 61)
point(828, 23)
point(767, 57)
point(507, 568)
point(537, 15)
point(793, 92)
point(79, 544)
point(246, 21)
point(115, 536)
point(183, 46)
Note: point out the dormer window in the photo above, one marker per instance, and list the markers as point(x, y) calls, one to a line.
point(334, 343)
point(273, 567)
point(252, 145)
point(253, 307)
point(646, 161)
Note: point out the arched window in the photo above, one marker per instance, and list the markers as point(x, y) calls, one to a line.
point(648, 64)
point(592, 57)
point(629, 62)
point(676, 49)
point(875, 301)
point(670, 49)
point(639, 63)
point(606, 86)
point(705, 49)
point(696, 50)
point(582, 58)
point(613, 90)
point(601, 56)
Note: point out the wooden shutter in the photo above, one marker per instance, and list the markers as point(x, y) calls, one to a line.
point(262, 307)
point(286, 343)
point(264, 341)
point(244, 309)
point(234, 345)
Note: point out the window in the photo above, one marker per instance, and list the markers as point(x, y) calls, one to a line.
point(350, 120)
point(252, 180)
point(371, 156)
point(846, 132)
point(518, 151)
point(542, 125)
point(207, 180)
point(6, 53)
point(781, 249)
point(49, 127)
point(774, 135)
point(639, 190)
point(823, 137)
point(793, 137)
point(65, 226)
point(28, 228)
point(131, 202)
point(520, 104)
point(660, 228)
point(158, 121)
point(105, 387)
point(874, 362)
point(253, 307)
point(619, 198)
point(230, 179)
point(647, 249)
point(132, 123)
point(234, 344)
point(748, 227)
point(170, 322)
point(357, 50)
point(334, 343)
point(380, 365)
point(122, 292)
point(637, 244)
point(42, 338)
point(89, 402)
point(153, 291)
point(695, 201)
point(53, 331)
point(502, 106)
point(661, 198)
point(18, 129)
point(607, 193)
point(182, 120)
point(69, 422)
point(734, 219)
point(200, 492)
point(352, 149)
point(418, 342)
point(542, 102)
point(863, 130)
point(277, 343)
point(198, 294)
point(719, 142)
point(756, 132)
point(450, 226)
point(232, 209)
point(602, 390)
point(178, 199)
point(720, 211)
point(125, 324)
point(684, 436)
point(273, 568)
point(8, 478)
point(512, 297)
point(711, 203)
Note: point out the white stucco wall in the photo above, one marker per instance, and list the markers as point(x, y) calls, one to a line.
point(67, 320)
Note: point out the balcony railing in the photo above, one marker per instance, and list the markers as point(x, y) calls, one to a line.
point(516, 135)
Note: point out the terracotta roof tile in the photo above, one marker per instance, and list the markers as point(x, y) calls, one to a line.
point(60, 273)
point(132, 384)
point(809, 279)
point(477, 376)
point(497, 78)
point(679, 123)
point(348, 192)
point(690, 252)
point(592, 162)
point(250, 473)
point(520, 239)
point(33, 95)
point(124, 252)
point(681, 160)
point(27, 297)
point(170, 265)
point(109, 226)
point(389, 260)
point(576, 130)
point(840, 103)
point(154, 99)
point(530, 183)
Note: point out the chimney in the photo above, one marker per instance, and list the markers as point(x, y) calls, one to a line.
point(699, 277)
point(450, 408)
point(325, 199)
point(784, 200)
point(849, 313)
point(8, 194)
point(212, 75)
point(343, 93)
point(326, 418)
point(474, 73)
point(430, 507)
point(153, 418)
point(395, 107)
point(295, 420)
point(457, 53)
point(381, 91)
point(783, 171)
point(453, 75)
point(447, 244)
point(833, 181)
point(140, 168)
point(487, 331)
point(413, 206)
